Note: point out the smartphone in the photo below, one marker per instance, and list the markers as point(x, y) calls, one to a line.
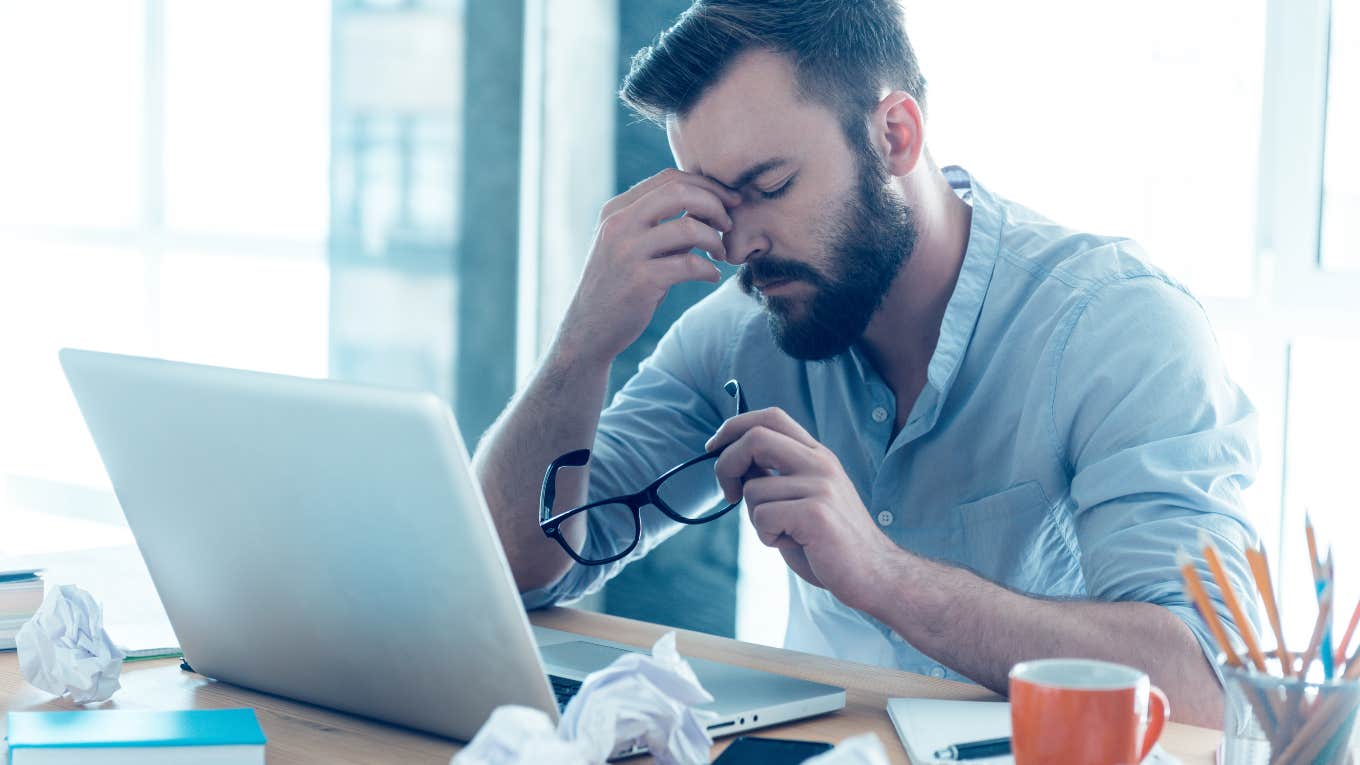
point(750, 750)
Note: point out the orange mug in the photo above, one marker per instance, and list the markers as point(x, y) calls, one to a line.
point(1083, 711)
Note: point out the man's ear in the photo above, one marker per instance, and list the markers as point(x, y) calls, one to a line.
point(898, 132)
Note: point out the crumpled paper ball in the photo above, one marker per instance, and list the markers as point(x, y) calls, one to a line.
point(514, 735)
point(643, 699)
point(64, 649)
point(637, 698)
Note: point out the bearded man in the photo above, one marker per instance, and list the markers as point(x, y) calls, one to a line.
point(976, 437)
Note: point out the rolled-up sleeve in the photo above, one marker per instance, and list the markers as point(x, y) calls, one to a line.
point(1160, 444)
point(661, 417)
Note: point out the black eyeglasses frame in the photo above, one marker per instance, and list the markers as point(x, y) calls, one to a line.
point(551, 524)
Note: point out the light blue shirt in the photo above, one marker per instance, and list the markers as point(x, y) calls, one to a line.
point(1077, 426)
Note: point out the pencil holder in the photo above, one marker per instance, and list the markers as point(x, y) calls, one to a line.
point(1274, 720)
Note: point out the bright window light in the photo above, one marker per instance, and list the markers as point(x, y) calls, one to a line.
point(247, 118)
point(1132, 119)
point(71, 98)
point(1320, 470)
point(164, 191)
point(1341, 168)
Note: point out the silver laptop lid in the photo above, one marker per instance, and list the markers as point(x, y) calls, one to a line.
point(315, 539)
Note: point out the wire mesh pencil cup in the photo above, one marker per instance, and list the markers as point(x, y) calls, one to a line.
point(1274, 720)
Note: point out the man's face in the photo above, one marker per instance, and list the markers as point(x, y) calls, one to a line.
point(818, 235)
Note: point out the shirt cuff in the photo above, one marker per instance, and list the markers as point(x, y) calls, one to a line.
point(578, 582)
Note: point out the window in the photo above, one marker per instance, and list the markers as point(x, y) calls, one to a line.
point(162, 193)
point(1341, 170)
point(115, 240)
point(294, 188)
point(1128, 119)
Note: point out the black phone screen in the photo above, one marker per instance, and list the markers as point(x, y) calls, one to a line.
point(749, 750)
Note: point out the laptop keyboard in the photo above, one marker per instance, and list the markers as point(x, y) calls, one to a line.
point(563, 689)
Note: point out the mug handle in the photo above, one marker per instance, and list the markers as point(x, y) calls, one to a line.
point(1159, 711)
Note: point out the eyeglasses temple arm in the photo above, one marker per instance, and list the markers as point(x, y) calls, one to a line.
point(734, 390)
point(548, 494)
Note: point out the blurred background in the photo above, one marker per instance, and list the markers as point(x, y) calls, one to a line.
point(403, 193)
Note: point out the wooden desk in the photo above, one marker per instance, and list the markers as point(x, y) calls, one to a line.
point(303, 733)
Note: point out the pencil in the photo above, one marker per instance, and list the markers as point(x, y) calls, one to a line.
point(1230, 600)
point(1329, 576)
point(1312, 549)
point(1323, 723)
point(1195, 588)
point(1260, 570)
point(1352, 666)
point(1344, 645)
point(1315, 642)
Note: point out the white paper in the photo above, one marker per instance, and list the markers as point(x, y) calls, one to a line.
point(637, 699)
point(64, 649)
point(516, 735)
point(864, 749)
point(641, 699)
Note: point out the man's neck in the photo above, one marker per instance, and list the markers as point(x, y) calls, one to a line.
point(902, 335)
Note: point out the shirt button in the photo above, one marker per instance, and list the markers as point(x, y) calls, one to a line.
point(937, 672)
point(885, 518)
point(879, 414)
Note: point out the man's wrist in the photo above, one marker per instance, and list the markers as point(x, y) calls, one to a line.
point(569, 353)
point(915, 592)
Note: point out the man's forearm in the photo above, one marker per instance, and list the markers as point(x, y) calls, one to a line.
point(981, 630)
point(557, 413)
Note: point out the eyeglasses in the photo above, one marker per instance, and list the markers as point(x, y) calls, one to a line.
point(688, 493)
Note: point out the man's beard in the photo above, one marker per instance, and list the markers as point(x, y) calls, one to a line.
point(870, 237)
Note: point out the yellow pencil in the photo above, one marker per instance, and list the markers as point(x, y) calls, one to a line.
point(1260, 570)
point(1195, 588)
point(1230, 600)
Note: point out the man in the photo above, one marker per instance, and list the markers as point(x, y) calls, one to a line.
point(976, 437)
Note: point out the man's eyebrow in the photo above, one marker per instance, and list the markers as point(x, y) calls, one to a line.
point(753, 172)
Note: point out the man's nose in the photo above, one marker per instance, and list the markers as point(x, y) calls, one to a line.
point(745, 241)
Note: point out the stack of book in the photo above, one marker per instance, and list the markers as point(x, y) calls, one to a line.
point(21, 592)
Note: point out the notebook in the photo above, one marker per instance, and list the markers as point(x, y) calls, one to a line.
point(21, 593)
point(928, 725)
point(144, 640)
point(125, 737)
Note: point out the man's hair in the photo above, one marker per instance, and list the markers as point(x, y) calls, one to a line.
point(843, 53)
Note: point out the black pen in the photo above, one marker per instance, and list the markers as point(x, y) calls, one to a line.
point(992, 747)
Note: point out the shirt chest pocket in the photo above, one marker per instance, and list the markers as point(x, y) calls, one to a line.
point(1014, 538)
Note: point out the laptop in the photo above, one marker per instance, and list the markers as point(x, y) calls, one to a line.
point(328, 542)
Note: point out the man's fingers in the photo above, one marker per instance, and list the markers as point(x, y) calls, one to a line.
point(774, 418)
point(669, 175)
point(780, 525)
point(679, 235)
point(775, 520)
point(760, 447)
point(672, 199)
point(774, 488)
point(638, 190)
point(683, 267)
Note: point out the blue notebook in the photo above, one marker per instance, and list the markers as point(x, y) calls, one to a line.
point(216, 736)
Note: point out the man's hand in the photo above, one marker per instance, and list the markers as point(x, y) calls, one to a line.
point(642, 248)
point(801, 501)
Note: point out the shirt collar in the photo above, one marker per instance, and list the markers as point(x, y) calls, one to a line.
point(965, 304)
point(975, 276)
